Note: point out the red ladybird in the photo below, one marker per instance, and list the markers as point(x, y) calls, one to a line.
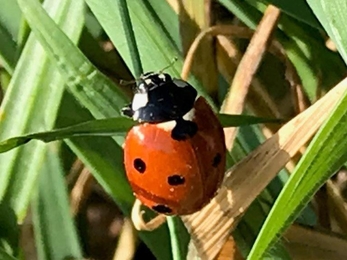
point(175, 157)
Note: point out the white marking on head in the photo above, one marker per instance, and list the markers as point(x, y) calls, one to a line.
point(141, 88)
point(167, 126)
point(136, 115)
point(162, 76)
point(190, 115)
point(180, 83)
point(148, 81)
point(139, 100)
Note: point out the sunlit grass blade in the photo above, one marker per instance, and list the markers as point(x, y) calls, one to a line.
point(101, 127)
point(93, 90)
point(146, 32)
point(9, 26)
point(169, 19)
point(55, 234)
point(122, 6)
point(155, 54)
point(332, 15)
point(315, 168)
point(35, 80)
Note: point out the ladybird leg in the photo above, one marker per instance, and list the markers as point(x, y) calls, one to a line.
point(138, 221)
point(127, 111)
point(184, 129)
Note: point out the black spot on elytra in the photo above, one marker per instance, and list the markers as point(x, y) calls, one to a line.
point(139, 165)
point(184, 130)
point(175, 180)
point(162, 209)
point(216, 160)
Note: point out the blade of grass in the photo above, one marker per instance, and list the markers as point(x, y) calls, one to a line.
point(317, 165)
point(10, 16)
point(315, 168)
point(112, 127)
point(9, 230)
point(251, 17)
point(51, 206)
point(155, 46)
point(331, 14)
point(7, 50)
point(5, 256)
point(298, 9)
point(130, 37)
point(93, 90)
point(169, 20)
point(178, 237)
point(34, 80)
point(102, 127)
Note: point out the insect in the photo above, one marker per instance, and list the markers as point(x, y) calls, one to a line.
point(175, 157)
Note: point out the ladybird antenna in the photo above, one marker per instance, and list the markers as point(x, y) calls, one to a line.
point(169, 65)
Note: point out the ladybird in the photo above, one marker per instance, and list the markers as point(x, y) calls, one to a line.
point(175, 157)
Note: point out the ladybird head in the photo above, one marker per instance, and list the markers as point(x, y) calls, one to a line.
point(159, 98)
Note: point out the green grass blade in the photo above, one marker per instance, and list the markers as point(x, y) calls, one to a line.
point(315, 168)
point(5, 256)
point(169, 19)
point(332, 15)
point(241, 120)
point(93, 90)
point(130, 37)
point(10, 16)
point(112, 127)
point(35, 80)
point(8, 49)
point(178, 236)
point(146, 32)
point(318, 164)
point(101, 127)
point(298, 9)
point(156, 48)
point(55, 234)
point(9, 230)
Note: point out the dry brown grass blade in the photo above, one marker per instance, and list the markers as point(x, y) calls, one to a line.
point(232, 30)
point(229, 251)
point(234, 101)
point(196, 16)
point(126, 247)
point(81, 190)
point(228, 58)
point(309, 244)
point(337, 205)
point(210, 227)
